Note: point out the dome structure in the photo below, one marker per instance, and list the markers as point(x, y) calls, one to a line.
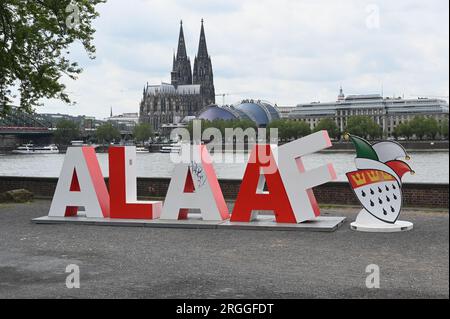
point(260, 112)
point(214, 112)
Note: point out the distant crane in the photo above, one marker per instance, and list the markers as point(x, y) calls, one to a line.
point(223, 95)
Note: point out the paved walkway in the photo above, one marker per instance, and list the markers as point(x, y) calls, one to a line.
point(163, 263)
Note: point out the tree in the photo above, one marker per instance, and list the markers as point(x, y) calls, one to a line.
point(444, 129)
point(281, 126)
point(403, 130)
point(107, 133)
point(329, 125)
point(300, 129)
point(417, 125)
point(289, 129)
point(364, 126)
point(35, 37)
point(66, 131)
point(284, 129)
point(142, 132)
point(420, 126)
point(423, 127)
point(431, 128)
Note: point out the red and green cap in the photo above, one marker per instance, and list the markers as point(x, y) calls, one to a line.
point(363, 148)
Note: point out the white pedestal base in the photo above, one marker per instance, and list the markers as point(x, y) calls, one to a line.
point(365, 222)
point(320, 224)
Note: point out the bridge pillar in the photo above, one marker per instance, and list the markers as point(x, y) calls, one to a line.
point(8, 142)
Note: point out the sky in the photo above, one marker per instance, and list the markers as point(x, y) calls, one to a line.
point(283, 51)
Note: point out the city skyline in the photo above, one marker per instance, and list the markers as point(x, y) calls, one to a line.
point(286, 52)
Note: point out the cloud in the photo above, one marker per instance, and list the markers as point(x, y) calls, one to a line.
point(285, 51)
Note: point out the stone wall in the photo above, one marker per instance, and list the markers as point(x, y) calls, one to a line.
point(335, 193)
point(408, 145)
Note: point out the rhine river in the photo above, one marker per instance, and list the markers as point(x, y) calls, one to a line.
point(430, 167)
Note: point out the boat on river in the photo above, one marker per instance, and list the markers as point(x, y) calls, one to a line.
point(142, 150)
point(32, 149)
point(171, 148)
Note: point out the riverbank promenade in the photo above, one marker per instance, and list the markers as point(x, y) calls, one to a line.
point(122, 262)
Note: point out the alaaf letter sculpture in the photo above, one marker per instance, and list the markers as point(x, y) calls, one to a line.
point(378, 185)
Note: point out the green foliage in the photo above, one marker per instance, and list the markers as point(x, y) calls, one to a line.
point(34, 47)
point(364, 127)
point(143, 132)
point(403, 130)
point(444, 129)
point(431, 128)
point(329, 125)
point(421, 127)
point(418, 126)
point(66, 131)
point(107, 133)
point(289, 129)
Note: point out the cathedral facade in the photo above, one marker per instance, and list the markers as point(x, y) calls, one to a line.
point(189, 91)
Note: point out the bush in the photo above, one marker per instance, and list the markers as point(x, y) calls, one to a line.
point(16, 196)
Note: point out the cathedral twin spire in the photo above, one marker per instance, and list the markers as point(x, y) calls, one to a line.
point(182, 72)
point(181, 52)
point(202, 49)
point(203, 72)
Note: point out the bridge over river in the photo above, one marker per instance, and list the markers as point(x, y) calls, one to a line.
point(19, 127)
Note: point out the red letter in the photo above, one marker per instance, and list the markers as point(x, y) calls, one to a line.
point(249, 199)
point(122, 187)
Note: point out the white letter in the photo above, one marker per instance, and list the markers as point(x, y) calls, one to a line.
point(373, 280)
point(299, 182)
point(373, 19)
point(207, 196)
point(73, 19)
point(73, 280)
point(93, 194)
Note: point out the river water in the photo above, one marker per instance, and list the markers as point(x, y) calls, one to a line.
point(430, 167)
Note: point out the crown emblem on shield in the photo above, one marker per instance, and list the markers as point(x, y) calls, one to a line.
point(359, 179)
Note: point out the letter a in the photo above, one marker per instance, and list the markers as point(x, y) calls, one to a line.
point(249, 199)
point(195, 186)
point(123, 188)
point(81, 184)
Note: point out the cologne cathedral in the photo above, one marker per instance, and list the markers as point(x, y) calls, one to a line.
point(188, 93)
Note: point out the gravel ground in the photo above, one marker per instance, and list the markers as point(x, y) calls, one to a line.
point(119, 262)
